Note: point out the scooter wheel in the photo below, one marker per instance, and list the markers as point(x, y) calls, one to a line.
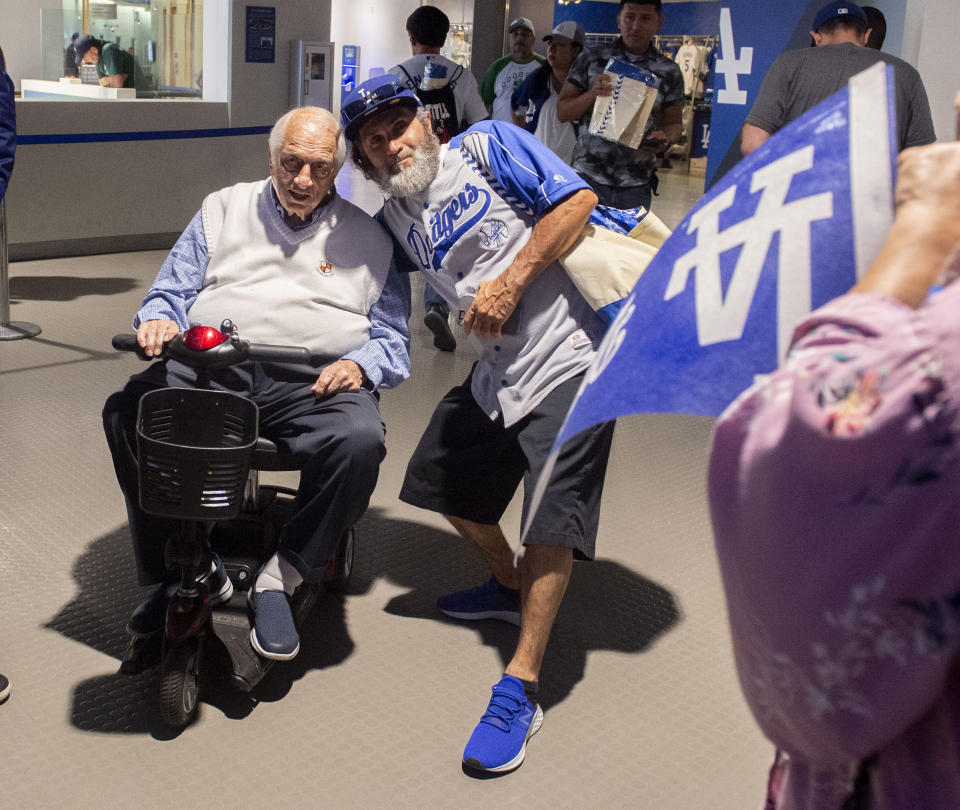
point(179, 683)
point(340, 566)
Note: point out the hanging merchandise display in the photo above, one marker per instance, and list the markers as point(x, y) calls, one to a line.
point(695, 55)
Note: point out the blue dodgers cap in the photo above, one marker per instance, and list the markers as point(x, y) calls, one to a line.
point(371, 98)
point(834, 10)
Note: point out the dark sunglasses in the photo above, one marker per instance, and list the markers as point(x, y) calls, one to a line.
point(369, 99)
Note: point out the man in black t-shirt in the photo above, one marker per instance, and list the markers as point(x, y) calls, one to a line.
point(799, 80)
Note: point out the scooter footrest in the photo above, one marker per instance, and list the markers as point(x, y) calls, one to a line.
point(231, 625)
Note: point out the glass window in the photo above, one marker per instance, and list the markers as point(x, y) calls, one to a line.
point(163, 37)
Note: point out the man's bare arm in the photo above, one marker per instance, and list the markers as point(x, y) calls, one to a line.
point(925, 238)
point(116, 80)
point(573, 102)
point(551, 237)
point(752, 138)
point(669, 132)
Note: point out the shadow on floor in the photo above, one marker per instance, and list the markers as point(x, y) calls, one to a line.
point(607, 607)
point(67, 288)
point(107, 593)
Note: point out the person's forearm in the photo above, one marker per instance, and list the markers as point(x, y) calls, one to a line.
point(551, 237)
point(674, 133)
point(180, 278)
point(916, 250)
point(925, 237)
point(571, 107)
point(752, 138)
point(672, 124)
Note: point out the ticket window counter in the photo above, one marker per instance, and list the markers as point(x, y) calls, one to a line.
point(164, 38)
point(39, 89)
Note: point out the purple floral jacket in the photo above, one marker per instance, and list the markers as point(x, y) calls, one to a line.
point(835, 497)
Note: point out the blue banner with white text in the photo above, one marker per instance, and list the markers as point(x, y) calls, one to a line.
point(789, 228)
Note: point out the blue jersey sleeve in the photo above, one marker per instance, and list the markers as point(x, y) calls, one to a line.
point(520, 169)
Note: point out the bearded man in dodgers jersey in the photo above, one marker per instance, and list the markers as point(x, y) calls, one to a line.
point(485, 218)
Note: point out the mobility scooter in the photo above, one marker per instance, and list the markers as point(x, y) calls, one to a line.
point(199, 454)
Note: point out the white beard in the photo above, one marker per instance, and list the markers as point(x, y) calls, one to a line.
point(418, 175)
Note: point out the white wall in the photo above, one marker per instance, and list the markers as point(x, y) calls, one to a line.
point(379, 27)
point(539, 12)
point(20, 37)
point(930, 44)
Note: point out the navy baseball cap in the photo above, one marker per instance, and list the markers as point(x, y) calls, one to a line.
point(84, 44)
point(830, 12)
point(371, 98)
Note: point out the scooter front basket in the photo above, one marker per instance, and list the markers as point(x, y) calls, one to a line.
point(194, 449)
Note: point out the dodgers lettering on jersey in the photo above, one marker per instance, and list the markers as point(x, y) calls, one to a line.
point(457, 217)
point(503, 168)
point(494, 182)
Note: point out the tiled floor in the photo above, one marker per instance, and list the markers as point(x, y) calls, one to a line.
point(642, 704)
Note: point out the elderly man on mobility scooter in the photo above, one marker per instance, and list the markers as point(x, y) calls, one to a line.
point(485, 219)
point(292, 262)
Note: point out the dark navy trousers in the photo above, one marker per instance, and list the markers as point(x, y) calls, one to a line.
point(339, 440)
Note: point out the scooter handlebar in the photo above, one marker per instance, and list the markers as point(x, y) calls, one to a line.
point(128, 343)
point(228, 353)
point(125, 343)
point(265, 352)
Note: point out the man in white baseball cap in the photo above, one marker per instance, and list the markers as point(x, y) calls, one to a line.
point(534, 103)
point(509, 72)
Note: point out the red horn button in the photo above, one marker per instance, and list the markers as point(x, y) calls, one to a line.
point(201, 338)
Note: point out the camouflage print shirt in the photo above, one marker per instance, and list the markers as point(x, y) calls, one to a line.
point(609, 162)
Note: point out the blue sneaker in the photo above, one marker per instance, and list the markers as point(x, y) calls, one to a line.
point(499, 742)
point(487, 601)
point(274, 635)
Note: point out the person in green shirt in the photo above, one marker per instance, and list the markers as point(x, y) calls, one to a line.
point(509, 72)
point(115, 67)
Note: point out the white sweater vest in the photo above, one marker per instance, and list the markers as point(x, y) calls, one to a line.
point(310, 287)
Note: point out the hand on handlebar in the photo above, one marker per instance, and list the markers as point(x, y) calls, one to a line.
point(151, 335)
point(343, 375)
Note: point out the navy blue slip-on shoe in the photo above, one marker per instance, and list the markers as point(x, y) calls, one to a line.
point(499, 742)
point(491, 600)
point(274, 634)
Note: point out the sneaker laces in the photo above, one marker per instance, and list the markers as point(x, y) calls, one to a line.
point(503, 709)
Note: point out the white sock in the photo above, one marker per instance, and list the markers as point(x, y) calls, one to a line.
point(278, 575)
